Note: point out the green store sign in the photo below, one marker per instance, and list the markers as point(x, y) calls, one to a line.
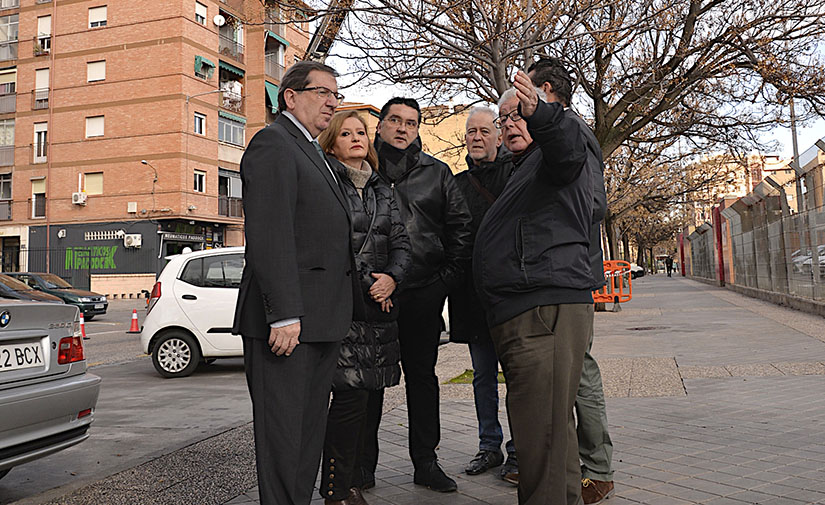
point(91, 258)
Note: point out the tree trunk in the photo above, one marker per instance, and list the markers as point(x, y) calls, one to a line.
point(652, 260)
point(640, 252)
point(611, 235)
point(626, 248)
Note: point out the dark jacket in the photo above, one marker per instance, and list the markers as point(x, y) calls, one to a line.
point(596, 166)
point(468, 323)
point(370, 352)
point(532, 247)
point(291, 205)
point(435, 216)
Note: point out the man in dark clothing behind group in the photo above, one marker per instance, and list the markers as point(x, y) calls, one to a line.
point(488, 169)
point(438, 224)
point(537, 295)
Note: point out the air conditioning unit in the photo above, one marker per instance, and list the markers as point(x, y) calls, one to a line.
point(133, 240)
point(79, 198)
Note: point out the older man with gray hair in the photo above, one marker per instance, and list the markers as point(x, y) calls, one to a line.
point(489, 167)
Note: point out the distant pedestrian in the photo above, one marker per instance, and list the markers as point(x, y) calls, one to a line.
point(368, 361)
point(669, 265)
point(438, 224)
point(489, 167)
point(296, 296)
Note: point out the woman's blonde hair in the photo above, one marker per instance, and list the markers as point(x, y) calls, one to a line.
point(328, 136)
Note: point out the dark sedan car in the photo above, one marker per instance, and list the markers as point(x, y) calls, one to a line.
point(91, 304)
point(16, 290)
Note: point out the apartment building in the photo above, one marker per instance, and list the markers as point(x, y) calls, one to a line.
point(122, 125)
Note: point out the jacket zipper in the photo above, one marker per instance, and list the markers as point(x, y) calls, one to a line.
point(520, 247)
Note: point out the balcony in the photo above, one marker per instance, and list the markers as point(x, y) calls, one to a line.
point(8, 102)
point(230, 206)
point(9, 4)
point(6, 156)
point(42, 45)
point(231, 48)
point(5, 210)
point(233, 102)
point(273, 68)
point(40, 99)
point(8, 50)
point(276, 26)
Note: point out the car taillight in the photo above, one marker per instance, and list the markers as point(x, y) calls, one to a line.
point(154, 297)
point(84, 413)
point(70, 350)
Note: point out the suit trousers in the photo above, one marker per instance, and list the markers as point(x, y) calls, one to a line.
point(419, 332)
point(348, 449)
point(290, 396)
point(541, 351)
point(595, 446)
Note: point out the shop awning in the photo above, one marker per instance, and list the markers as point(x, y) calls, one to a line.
point(272, 93)
point(231, 68)
point(277, 37)
point(233, 117)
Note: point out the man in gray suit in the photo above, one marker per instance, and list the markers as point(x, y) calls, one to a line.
point(296, 297)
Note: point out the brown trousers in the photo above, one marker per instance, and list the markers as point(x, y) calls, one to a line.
point(541, 353)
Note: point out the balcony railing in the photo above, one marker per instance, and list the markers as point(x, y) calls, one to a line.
point(8, 103)
point(277, 27)
point(6, 156)
point(230, 206)
point(5, 210)
point(9, 4)
point(40, 99)
point(42, 45)
point(8, 50)
point(230, 47)
point(40, 152)
point(273, 68)
point(233, 102)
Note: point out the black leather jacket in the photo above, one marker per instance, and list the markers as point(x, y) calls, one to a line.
point(436, 218)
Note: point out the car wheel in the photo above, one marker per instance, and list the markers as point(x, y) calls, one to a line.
point(3, 473)
point(175, 354)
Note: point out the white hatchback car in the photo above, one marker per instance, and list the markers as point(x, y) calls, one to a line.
point(190, 311)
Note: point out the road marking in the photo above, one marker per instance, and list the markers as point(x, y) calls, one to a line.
point(106, 332)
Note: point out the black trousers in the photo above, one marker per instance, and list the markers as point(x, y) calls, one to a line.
point(419, 331)
point(290, 396)
point(351, 443)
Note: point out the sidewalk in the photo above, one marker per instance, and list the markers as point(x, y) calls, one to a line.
point(713, 398)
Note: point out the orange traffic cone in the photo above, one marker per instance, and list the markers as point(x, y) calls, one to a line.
point(134, 328)
point(83, 327)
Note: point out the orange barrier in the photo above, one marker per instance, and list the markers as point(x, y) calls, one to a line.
point(619, 287)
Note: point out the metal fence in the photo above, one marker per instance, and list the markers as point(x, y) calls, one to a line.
point(772, 239)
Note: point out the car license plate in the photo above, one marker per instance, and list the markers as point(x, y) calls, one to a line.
point(17, 356)
point(98, 305)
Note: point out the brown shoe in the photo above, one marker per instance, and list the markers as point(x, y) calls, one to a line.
point(355, 497)
point(596, 491)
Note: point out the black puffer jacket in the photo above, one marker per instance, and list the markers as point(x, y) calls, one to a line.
point(370, 353)
point(434, 213)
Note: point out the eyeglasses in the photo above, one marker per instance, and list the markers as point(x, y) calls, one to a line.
point(397, 121)
point(324, 93)
point(502, 119)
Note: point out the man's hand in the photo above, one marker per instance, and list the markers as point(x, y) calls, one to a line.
point(386, 305)
point(382, 288)
point(283, 340)
point(526, 94)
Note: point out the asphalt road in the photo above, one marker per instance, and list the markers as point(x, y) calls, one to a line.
point(140, 415)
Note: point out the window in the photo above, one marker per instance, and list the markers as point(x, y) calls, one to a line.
point(200, 123)
point(41, 142)
point(6, 142)
point(200, 181)
point(97, 17)
point(93, 183)
point(200, 13)
point(8, 83)
point(218, 271)
point(96, 71)
point(230, 131)
point(44, 35)
point(39, 197)
point(8, 37)
point(41, 89)
point(94, 126)
point(204, 68)
point(5, 186)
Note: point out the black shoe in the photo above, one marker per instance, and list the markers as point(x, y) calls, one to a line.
point(432, 476)
point(484, 461)
point(509, 472)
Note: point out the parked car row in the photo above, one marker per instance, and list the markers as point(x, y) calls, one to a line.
point(46, 287)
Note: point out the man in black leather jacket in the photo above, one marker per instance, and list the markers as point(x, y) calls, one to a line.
point(438, 224)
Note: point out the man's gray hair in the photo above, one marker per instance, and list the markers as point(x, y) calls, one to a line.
point(481, 109)
point(506, 97)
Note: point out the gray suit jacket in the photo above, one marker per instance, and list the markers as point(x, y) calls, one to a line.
point(298, 254)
